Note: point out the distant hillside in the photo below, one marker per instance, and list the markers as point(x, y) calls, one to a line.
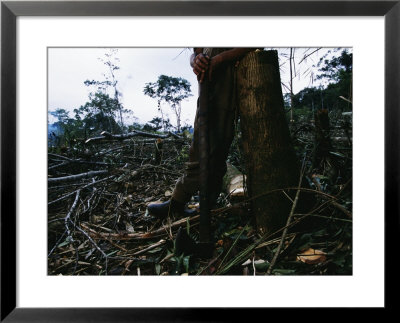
point(54, 127)
point(53, 132)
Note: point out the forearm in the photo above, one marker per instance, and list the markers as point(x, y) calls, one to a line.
point(233, 54)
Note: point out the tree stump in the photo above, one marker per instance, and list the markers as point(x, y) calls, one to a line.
point(271, 162)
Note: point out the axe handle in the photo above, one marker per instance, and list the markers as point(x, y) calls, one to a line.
point(205, 219)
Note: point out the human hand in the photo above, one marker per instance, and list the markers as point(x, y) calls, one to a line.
point(200, 65)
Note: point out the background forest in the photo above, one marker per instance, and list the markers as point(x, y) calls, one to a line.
point(105, 166)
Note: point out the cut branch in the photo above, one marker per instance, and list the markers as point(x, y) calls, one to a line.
point(76, 177)
point(153, 246)
point(107, 136)
point(86, 186)
point(284, 233)
point(305, 57)
point(136, 236)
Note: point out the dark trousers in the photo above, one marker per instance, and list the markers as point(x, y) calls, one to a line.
point(221, 118)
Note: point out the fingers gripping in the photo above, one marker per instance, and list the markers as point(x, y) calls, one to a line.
point(200, 66)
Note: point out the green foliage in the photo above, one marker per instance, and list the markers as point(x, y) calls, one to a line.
point(170, 90)
point(65, 133)
point(338, 68)
point(101, 85)
point(104, 106)
point(338, 73)
point(187, 128)
point(61, 114)
point(98, 114)
point(183, 155)
point(157, 124)
point(135, 126)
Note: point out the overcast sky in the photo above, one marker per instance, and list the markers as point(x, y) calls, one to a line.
point(68, 68)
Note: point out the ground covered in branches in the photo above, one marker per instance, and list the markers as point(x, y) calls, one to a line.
point(98, 192)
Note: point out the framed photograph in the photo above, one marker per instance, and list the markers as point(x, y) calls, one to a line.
point(55, 270)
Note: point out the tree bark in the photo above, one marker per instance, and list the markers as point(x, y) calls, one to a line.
point(271, 162)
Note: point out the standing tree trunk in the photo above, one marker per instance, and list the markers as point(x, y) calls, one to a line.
point(270, 158)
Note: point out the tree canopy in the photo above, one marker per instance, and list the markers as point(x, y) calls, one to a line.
point(170, 90)
point(337, 94)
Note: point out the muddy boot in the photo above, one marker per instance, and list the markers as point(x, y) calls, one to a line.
point(171, 207)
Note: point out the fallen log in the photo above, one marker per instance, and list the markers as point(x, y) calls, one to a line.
point(136, 133)
point(76, 177)
point(86, 186)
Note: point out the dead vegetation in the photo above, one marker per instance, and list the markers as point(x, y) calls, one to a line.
point(98, 192)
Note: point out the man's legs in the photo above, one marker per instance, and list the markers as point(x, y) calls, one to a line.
point(222, 114)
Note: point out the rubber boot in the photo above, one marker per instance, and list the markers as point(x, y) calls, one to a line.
point(171, 207)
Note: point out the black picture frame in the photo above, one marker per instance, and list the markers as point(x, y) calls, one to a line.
point(10, 10)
